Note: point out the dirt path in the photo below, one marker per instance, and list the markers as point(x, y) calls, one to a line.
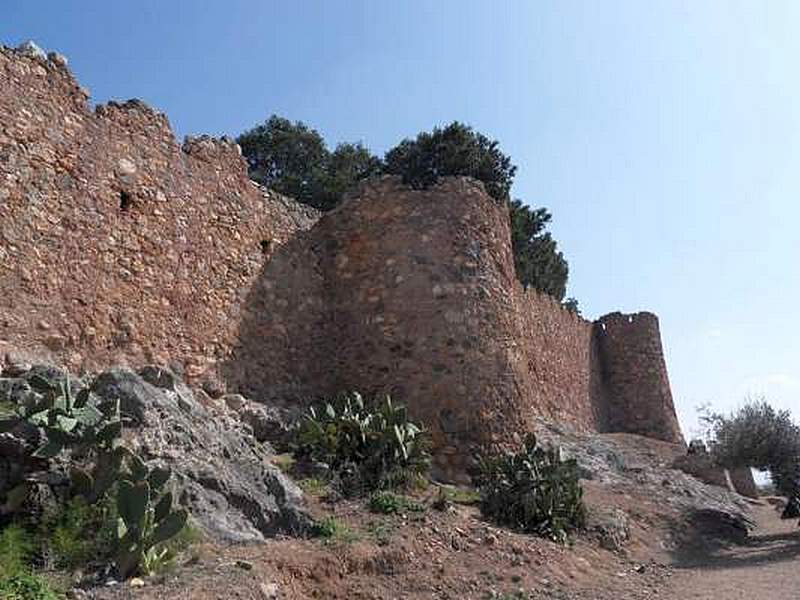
point(767, 566)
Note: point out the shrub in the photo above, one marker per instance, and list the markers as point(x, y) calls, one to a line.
point(448, 496)
point(26, 586)
point(759, 436)
point(332, 530)
point(381, 531)
point(453, 150)
point(366, 447)
point(6, 408)
point(77, 533)
point(314, 486)
point(388, 503)
point(571, 304)
point(88, 431)
point(17, 581)
point(533, 490)
point(16, 547)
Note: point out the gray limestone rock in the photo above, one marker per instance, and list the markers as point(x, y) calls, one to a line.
point(30, 48)
point(222, 474)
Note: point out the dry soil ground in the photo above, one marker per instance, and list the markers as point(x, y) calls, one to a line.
point(455, 554)
point(766, 566)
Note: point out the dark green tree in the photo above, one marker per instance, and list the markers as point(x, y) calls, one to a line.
point(287, 157)
point(293, 159)
point(345, 167)
point(571, 304)
point(759, 436)
point(453, 150)
point(537, 261)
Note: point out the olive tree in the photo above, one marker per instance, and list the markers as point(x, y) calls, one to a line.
point(761, 437)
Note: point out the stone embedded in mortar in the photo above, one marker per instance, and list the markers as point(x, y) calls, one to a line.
point(181, 257)
point(125, 166)
point(58, 59)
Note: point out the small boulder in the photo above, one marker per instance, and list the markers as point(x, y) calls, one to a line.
point(220, 473)
point(136, 397)
point(57, 59)
point(611, 527)
point(269, 424)
point(15, 365)
point(30, 48)
point(792, 509)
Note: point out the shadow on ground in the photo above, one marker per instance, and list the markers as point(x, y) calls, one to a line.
point(713, 540)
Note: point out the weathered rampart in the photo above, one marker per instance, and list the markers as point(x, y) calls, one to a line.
point(413, 293)
point(117, 245)
point(638, 395)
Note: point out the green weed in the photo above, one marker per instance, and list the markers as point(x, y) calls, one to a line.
point(313, 486)
point(455, 495)
point(7, 408)
point(26, 586)
point(333, 531)
point(388, 503)
point(285, 462)
point(16, 547)
point(380, 532)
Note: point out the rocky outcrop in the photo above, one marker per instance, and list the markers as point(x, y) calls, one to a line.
point(221, 473)
point(699, 463)
point(639, 465)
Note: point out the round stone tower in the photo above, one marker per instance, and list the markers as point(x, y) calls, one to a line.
point(638, 394)
point(420, 291)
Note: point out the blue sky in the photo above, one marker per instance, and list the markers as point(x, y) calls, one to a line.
point(663, 136)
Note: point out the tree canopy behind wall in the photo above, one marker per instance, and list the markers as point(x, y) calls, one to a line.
point(294, 160)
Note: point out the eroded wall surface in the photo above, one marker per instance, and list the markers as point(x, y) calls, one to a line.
point(117, 244)
point(421, 296)
point(632, 366)
point(562, 380)
point(412, 293)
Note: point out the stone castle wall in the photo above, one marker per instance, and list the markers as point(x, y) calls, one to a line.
point(413, 294)
point(561, 353)
point(421, 297)
point(638, 395)
point(117, 245)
